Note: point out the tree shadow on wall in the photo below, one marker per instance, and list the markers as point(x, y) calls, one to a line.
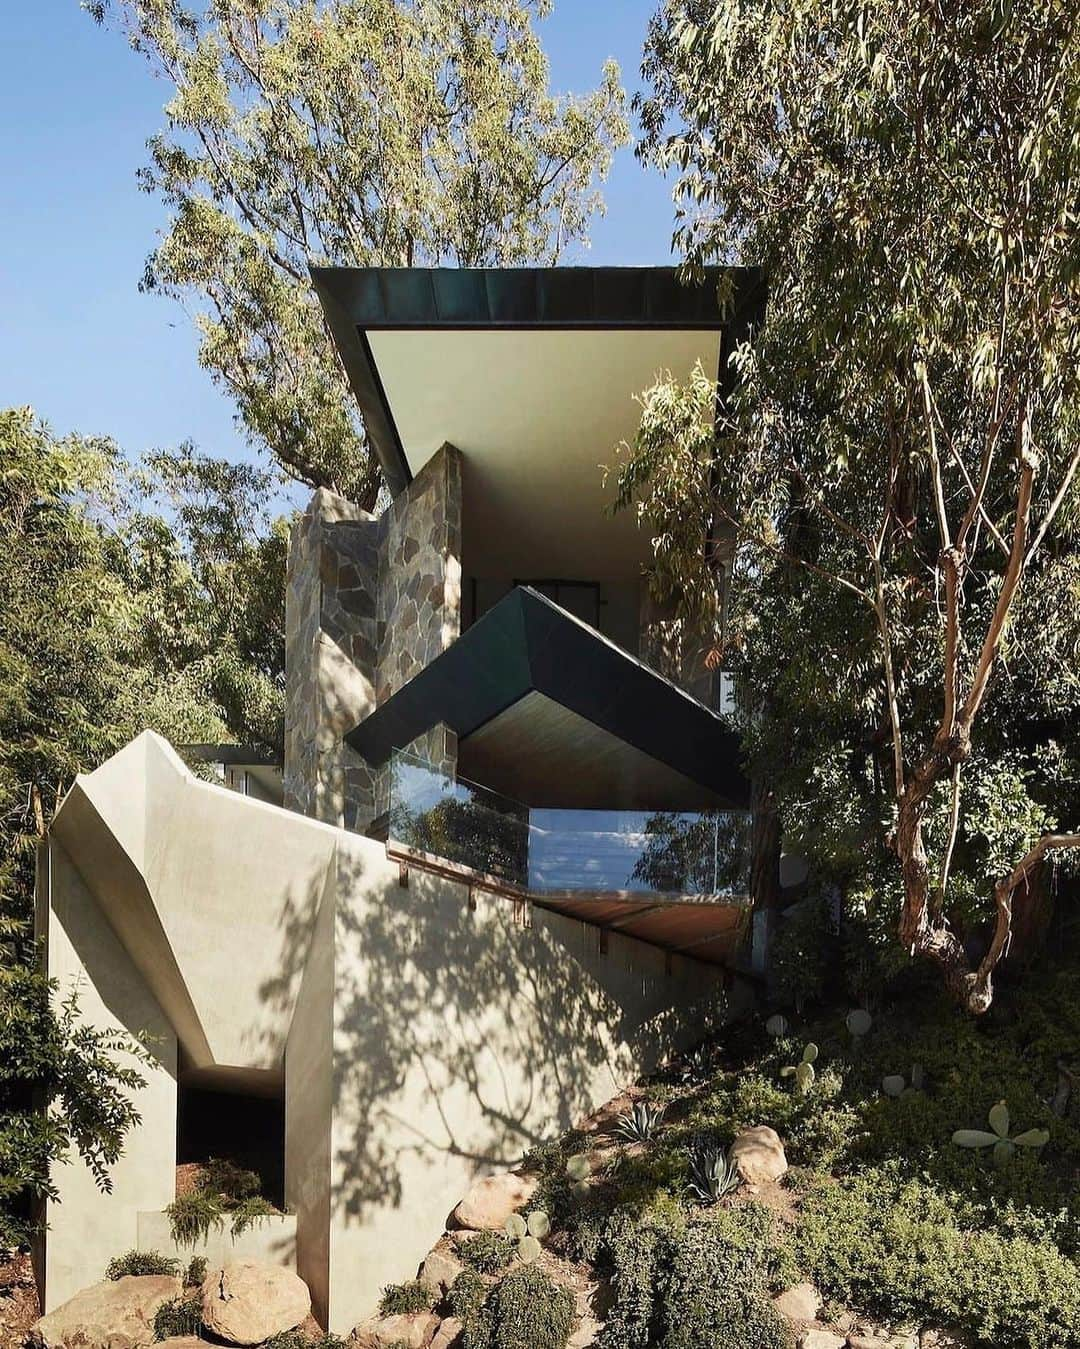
point(463, 1033)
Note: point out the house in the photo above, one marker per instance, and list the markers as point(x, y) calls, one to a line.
point(510, 868)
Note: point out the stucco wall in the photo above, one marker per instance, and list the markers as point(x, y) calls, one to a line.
point(427, 1035)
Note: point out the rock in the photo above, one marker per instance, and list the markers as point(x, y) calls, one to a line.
point(440, 1269)
point(588, 1326)
point(820, 1339)
point(413, 1330)
point(587, 1333)
point(799, 1304)
point(869, 1336)
point(492, 1200)
point(942, 1339)
point(449, 1333)
point(759, 1155)
point(184, 1342)
point(116, 1314)
point(246, 1302)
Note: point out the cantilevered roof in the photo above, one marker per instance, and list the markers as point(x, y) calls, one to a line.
point(533, 373)
point(549, 712)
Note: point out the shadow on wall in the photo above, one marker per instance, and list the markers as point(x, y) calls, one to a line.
point(470, 1031)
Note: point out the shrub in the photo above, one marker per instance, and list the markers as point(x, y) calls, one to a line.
point(248, 1212)
point(296, 1339)
point(219, 1176)
point(714, 1297)
point(524, 1309)
point(191, 1217)
point(181, 1316)
point(141, 1262)
point(403, 1298)
point(223, 1190)
point(898, 1248)
point(487, 1252)
point(195, 1274)
point(466, 1296)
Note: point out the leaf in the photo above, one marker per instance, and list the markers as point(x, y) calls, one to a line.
point(892, 1085)
point(999, 1119)
point(528, 1250)
point(1033, 1138)
point(515, 1226)
point(539, 1224)
point(974, 1138)
point(1004, 1150)
point(810, 1053)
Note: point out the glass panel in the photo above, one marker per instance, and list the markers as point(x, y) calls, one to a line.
point(683, 852)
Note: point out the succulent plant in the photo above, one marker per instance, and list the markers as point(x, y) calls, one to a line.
point(712, 1174)
point(895, 1085)
point(858, 1023)
point(528, 1233)
point(1004, 1146)
point(777, 1026)
point(579, 1169)
point(695, 1066)
point(803, 1071)
point(640, 1123)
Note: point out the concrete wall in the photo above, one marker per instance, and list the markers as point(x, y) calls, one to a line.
point(427, 1036)
point(271, 1240)
point(369, 602)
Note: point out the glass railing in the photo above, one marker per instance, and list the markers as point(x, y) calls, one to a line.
point(677, 852)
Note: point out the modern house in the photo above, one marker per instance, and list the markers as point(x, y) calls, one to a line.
point(510, 868)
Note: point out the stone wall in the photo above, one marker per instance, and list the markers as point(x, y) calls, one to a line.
point(369, 603)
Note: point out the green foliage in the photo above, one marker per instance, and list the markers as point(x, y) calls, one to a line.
point(296, 1339)
point(487, 1252)
point(712, 1175)
point(1003, 1144)
point(898, 1247)
point(805, 954)
point(357, 133)
point(141, 1262)
point(524, 1308)
point(222, 1192)
point(868, 448)
point(181, 1316)
point(404, 1298)
point(195, 1274)
point(638, 1124)
point(466, 1296)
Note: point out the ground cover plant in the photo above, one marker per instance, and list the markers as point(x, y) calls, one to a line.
point(223, 1192)
point(888, 1215)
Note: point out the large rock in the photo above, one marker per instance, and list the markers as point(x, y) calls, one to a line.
point(821, 1339)
point(116, 1314)
point(799, 1304)
point(246, 1302)
point(450, 1334)
point(759, 1155)
point(440, 1269)
point(413, 1330)
point(492, 1200)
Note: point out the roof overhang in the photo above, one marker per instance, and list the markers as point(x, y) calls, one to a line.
point(549, 712)
point(534, 374)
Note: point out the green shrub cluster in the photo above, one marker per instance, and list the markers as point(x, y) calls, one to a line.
point(141, 1262)
point(405, 1298)
point(466, 1296)
point(223, 1190)
point(181, 1316)
point(195, 1274)
point(296, 1339)
point(487, 1252)
point(523, 1309)
point(897, 1248)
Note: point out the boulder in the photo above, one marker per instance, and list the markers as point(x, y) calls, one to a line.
point(246, 1302)
point(184, 1342)
point(440, 1269)
point(116, 1314)
point(820, 1339)
point(799, 1304)
point(449, 1333)
point(759, 1155)
point(492, 1200)
point(870, 1336)
point(414, 1330)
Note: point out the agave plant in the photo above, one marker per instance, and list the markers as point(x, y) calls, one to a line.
point(695, 1066)
point(640, 1123)
point(803, 1071)
point(1004, 1146)
point(712, 1174)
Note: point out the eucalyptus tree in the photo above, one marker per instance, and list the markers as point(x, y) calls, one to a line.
point(896, 467)
point(362, 132)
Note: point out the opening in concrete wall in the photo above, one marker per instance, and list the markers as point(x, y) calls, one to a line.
point(235, 1121)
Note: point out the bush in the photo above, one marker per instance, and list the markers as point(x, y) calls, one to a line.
point(181, 1316)
point(295, 1339)
point(219, 1176)
point(191, 1217)
point(141, 1262)
point(524, 1309)
point(487, 1252)
point(403, 1298)
point(195, 1274)
point(897, 1248)
point(223, 1190)
point(466, 1296)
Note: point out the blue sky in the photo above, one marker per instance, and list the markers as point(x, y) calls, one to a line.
point(77, 340)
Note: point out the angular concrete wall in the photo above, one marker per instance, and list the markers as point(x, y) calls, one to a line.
point(426, 1035)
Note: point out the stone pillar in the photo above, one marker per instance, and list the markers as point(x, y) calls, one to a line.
point(369, 603)
point(331, 654)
